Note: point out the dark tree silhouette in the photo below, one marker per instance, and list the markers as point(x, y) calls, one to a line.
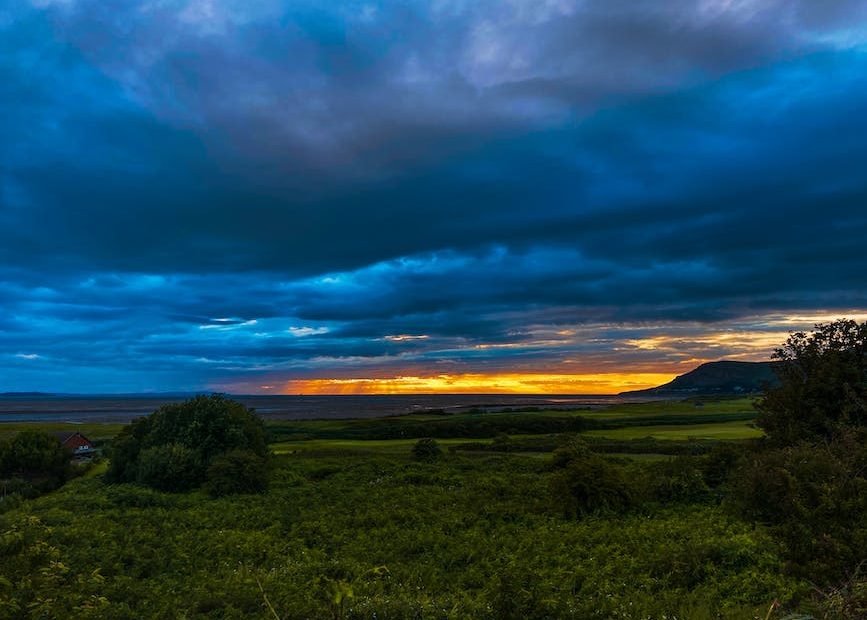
point(173, 448)
point(823, 384)
point(34, 456)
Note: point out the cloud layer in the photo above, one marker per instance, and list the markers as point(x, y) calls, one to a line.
point(234, 194)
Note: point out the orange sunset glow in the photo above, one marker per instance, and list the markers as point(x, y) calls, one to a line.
point(505, 383)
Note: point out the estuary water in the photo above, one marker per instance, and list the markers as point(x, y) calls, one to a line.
point(123, 408)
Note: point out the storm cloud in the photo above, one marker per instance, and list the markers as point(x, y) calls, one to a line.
point(213, 194)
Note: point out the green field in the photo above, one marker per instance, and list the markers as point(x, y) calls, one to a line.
point(715, 430)
point(720, 419)
point(668, 408)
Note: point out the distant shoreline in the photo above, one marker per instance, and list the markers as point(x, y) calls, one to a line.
point(123, 408)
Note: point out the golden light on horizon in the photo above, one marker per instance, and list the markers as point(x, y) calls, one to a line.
point(498, 383)
point(645, 356)
point(736, 343)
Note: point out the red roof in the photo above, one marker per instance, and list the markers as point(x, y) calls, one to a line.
point(75, 442)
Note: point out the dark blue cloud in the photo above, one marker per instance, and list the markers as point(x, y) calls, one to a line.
point(191, 192)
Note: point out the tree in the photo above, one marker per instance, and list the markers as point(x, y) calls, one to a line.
point(125, 448)
point(171, 467)
point(808, 481)
point(35, 456)
point(823, 384)
point(813, 495)
point(173, 448)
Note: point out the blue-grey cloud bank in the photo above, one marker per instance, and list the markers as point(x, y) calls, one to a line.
point(211, 194)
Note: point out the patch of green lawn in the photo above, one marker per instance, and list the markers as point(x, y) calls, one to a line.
point(691, 407)
point(739, 429)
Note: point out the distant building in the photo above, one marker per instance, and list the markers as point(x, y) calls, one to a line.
point(77, 444)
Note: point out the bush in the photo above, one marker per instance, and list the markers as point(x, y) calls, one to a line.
point(236, 472)
point(124, 451)
point(173, 448)
point(823, 384)
point(588, 484)
point(427, 450)
point(677, 480)
point(808, 478)
point(172, 467)
point(35, 456)
point(571, 447)
point(719, 463)
point(814, 496)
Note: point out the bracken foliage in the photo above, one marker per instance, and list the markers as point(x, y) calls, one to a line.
point(367, 536)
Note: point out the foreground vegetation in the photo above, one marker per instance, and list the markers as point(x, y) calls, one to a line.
point(364, 537)
point(660, 510)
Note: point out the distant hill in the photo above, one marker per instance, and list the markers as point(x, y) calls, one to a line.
point(724, 378)
point(24, 394)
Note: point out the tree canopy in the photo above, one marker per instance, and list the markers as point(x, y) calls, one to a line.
point(33, 454)
point(807, 481)
point(823, 384)
point(173, 448)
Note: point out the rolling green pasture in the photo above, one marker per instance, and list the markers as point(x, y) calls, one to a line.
point(713, 419)
point(716, 430)
point(670, 408)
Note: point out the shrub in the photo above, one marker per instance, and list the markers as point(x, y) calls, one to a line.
point(571, 447)
point(589, 484)
point(719, 463)
point(427, 450)
point(124, 451)
point(238, 471)
point(677, 480)
point(814, 495)
point(808, 479)
point(35, 456)
point(173, 448)
point(172, 467)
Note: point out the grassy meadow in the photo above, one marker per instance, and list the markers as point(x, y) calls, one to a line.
point(352, 526)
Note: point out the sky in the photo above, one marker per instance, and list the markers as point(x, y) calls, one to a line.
point(566, 196)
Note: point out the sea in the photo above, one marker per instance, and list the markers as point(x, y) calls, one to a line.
point(29, 407)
